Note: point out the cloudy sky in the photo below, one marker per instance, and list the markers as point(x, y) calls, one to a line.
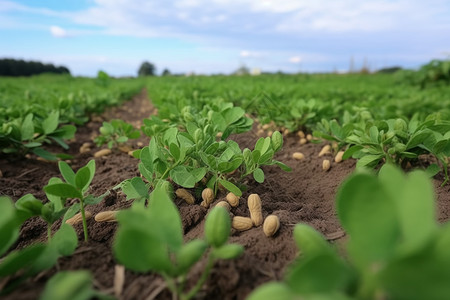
point(212, 36)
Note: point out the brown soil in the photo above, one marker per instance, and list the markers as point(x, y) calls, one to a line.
point(304, 195)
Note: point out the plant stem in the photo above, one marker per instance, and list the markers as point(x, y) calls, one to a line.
point(49, 232)
point(84, 220)
point(201, 281)
point(171, 285)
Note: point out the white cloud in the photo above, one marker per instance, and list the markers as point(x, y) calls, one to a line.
point(58, 32)
point(250, 54)
point(295, 59)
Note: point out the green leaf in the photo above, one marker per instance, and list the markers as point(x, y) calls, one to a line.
point(369, 161)
point(187, 177)
point(27, 128)
point(369, 215)
point(228, 251)
point(309, 241)
point(415, 201)
point(63, 190)
point(417, 139)
point(70, 212)
point(74, 285)
point(92, 200)
point(44, 154)
point(421, 276)
point(65, 240)
point(190, 253)
point(322, 273)
point(277, 141)
point(65, 132)
point(373, 133)
point(9, 224)
point(282, 166)
point(51, 122)
point(273, 290)
point(230, 187)
point(258, 174)
point(166, 218)
point(135, 188)
point(91, 166)
point(23, 258)
point(29, 204)
point(174, 151)
point(217, 227)
point(432, 170)
point(58, 202)
point(352, 150)
point(82, 178)
point(141, 250)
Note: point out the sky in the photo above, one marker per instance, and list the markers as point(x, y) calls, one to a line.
point(219, 36)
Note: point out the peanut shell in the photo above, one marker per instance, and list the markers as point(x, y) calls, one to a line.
point(254, 205)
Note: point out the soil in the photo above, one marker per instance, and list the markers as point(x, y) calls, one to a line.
point(306, 195)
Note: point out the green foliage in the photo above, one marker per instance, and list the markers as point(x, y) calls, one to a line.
point(76, 285)
point(435, 72)
point(116, 132)
point(76, 186)
point(190, 146)
point(395, 141)
point(151, 239)
point(389, 254)
point(42, 110)
point(20, 264)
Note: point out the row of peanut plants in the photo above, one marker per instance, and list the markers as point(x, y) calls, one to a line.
point(45, 109)
point(187, 145)
point(190, 147)
point(373, 118)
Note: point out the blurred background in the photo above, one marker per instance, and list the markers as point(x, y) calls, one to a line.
point(224, 36)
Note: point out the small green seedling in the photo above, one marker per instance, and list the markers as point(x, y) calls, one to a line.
point(20, 264)
point(389, 253)
point(72, 285)
point(76, 186)
point(151, 239)
point(50, 212)
point(116, 132)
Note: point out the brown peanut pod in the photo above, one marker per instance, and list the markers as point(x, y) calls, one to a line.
point(271, 225)
point(325, 150)
point(185, 195)
point(241, 223)
point(208, 196)
point(233, 199)
point(326, 165)
point(77, 218)
point(298, 156)
point(106, 216)
point(224, 204)
point(338, 157)
point(103, 152)
point(254, 205)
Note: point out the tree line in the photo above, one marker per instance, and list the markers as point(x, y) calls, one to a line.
point(14, 67)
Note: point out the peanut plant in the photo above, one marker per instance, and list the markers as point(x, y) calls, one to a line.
point(389, 254)
point(151, 239)
point(76, 186)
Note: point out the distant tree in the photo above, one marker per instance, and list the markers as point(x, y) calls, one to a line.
point(13, 67)
point(242, 70)
point(166, 72)
point(389, 70)
point(147, 69)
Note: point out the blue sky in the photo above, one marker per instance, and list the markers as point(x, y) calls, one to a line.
point(217, 36)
